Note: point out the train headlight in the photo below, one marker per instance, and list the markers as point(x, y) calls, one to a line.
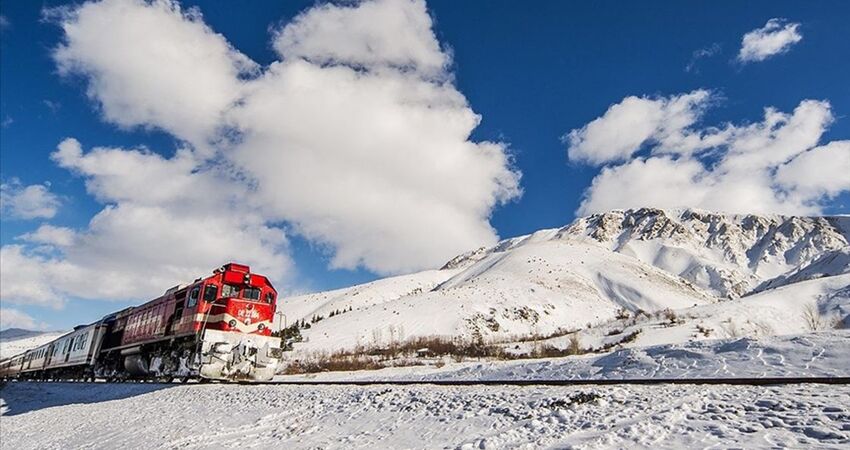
point(261, 327)
point(232, 323)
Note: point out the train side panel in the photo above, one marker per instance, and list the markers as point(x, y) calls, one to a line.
point(75, 348)
point(35, 359)
point(12, 367)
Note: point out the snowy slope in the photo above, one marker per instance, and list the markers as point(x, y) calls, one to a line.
point(14, 340)
point(363, 295)
point(739, 274)
point(536, 288)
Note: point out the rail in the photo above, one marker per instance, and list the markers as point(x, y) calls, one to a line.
point(580, 382)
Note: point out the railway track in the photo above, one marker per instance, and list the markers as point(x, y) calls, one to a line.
point(603, 382)
point(771, 381)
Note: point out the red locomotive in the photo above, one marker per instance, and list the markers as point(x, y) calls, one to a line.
point(218, 327)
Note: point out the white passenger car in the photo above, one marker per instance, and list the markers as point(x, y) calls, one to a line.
point(78, 347)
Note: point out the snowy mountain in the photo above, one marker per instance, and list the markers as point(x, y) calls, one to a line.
point(598, 270)
point(16, 340)
point(729, 255)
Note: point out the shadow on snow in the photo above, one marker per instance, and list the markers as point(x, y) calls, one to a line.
point(19, 397)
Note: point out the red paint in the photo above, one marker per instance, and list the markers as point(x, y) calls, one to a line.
point(174, 313)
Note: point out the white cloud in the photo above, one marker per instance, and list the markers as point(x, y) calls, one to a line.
point(25, 280)
point(51, 235)
point(772, 166)
point(12, 318)
point(627, 125)
point(356, 137)
point(395, 186)
point(823, 170)
point(776, 37)
point(699, 54)
point(165, 221)
point(28, 202)
point(389, 33)
point(152, 64)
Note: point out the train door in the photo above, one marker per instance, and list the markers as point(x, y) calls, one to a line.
point(179, 304)
point(68, 345)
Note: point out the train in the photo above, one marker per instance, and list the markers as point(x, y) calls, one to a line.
point(218, 327)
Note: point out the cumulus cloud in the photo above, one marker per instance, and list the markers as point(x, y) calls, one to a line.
point(28, 202)
point(51, 235)
point(24, 278)
point(331, 34)
point(356, 138)
point(13, 318)
point(777, 165)
point(775, 37)
point(626, 126)
point(152, 64)
point(823, 170)
point(166, 220)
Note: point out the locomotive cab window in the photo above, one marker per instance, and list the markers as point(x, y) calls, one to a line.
point(270, 297)
point(210, 293)
point(193, 296)
point(229, 290)
point(251, 293)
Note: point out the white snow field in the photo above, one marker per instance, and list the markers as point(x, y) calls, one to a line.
point(732, 275)
point(823, 354)
point(67, 415)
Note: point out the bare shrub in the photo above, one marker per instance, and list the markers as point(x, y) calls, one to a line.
point(542, 337)
point(574, 347)
point(764, 329)
point(730, 328)
point(812, 318)
point(670, 316)
point(704, 330)
point(631, 337)
point(332, 363)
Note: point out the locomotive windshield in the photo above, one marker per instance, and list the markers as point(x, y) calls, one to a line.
point(210, 293)
point(229, 290)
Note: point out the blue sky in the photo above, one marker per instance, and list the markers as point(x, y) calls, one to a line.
point(532, 73)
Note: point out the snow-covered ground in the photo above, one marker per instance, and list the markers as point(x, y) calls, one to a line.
point(823, 354)
point(59, 416)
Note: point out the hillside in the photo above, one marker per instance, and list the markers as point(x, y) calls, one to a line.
point(761, 272)
point(16, 340)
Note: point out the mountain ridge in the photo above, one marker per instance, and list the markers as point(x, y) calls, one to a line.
point(585, 274)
